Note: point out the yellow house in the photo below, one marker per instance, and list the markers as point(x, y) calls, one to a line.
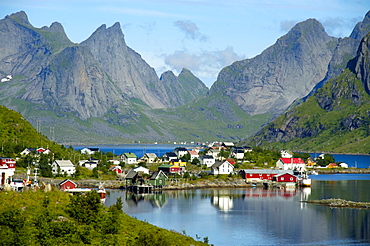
point(311, 162)
point(332, 165)
point(178, 162)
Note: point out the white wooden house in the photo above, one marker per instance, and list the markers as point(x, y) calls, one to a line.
point(291, 164)
point(222, 167)
point(207, 160)
point(129, 158)
point(63, 166)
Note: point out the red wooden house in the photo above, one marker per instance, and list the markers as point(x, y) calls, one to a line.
point(7, 168)
point(285, 177)
point(6, 162)
point(261, 174)
point(116, 169)
point(169, 168)
point(67, 184)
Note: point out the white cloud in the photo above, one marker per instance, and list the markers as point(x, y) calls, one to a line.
point(338, 26)
point(191, 30)
point(206, 65)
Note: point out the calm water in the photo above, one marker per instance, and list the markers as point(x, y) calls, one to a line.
point(254, 216)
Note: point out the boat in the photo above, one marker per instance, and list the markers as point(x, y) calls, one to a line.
point(304, 180)
point(102, 193)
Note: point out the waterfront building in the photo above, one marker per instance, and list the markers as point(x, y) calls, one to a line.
point(7, 168)
point(252, 175)
point(290, 164)
point(221, 167)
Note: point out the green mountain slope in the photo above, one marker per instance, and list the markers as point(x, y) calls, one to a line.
point(16, 134)
point(335, 119)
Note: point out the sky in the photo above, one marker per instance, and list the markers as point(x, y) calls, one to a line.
point(203, 36)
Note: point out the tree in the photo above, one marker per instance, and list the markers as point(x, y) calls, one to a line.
point(45, 167)
point(85, 209)
point(323, 162)
point(195, 161)
point(224, 153)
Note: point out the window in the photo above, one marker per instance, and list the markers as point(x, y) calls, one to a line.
point(282, 178)
point(291, 179)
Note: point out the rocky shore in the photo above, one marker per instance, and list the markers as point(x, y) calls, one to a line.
point(340, 203)
point(117, 184)
point(344, 171)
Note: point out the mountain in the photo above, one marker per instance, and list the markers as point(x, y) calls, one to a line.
point(98, 88)
point(301, 61)
point(102, 91)
point(182, 89)
point(336, 118)
point(284, 72)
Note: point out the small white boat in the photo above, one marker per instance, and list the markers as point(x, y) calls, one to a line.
point(304, 180)
point(102, 192)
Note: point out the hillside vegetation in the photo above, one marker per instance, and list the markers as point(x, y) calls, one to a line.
point(16, 134)
point(56, 218)
point(335, 119)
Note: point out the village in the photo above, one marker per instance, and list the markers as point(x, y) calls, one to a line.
point(151, 172)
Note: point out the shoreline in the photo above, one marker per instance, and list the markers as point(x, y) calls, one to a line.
point(340, 203)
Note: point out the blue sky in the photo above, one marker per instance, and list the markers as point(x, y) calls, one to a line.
point(201, 35)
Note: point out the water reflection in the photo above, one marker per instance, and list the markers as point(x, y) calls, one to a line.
point(156, 200)
point(255, 216)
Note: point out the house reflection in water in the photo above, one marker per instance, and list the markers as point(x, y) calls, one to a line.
point(155, 199)
point(260, 192)
point(223, 199)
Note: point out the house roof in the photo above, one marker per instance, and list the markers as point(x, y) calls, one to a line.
point(266, 171)
point(156, 174)
point(292, 160)
point(66, 180)
point(206, 157)
point(151, 155)
point(131, 174)
point(219, 163)
point(130, 155)
point(228, 144)
point(140, 168)
point(64, 163)
point(170, 154)
point(193, 152)
point(281, 174)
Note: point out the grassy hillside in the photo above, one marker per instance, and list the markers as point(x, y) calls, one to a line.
point(205, 119)
point(56, 218)
point(335, 119)
point(16, 134)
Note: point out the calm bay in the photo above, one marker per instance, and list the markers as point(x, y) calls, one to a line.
point(256, 216)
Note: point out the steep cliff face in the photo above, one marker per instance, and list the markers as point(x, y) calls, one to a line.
point(335, 118)
point(96, 78)
point(345, 51)
point(284, 72)
point(182, 89)
point(362, 63)
point(125, 67)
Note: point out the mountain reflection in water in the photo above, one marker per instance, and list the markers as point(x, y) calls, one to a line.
point(256, 216)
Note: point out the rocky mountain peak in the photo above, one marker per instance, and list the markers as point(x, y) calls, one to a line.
point(284, 72)
point(362, 62)
point(362, 28)
point(20, 17)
